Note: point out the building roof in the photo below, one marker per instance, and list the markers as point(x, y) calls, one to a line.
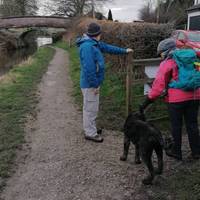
point(194, 8)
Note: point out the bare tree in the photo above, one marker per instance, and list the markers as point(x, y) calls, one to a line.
point(18, 7)
point(7, 8)
point(27, 7)
point(174, 11)
point(147, 13)
point(167, 11)
point(71, 8)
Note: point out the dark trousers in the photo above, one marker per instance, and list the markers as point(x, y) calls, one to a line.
point(188, 111)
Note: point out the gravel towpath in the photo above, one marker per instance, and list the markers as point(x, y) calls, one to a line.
point(57, 163)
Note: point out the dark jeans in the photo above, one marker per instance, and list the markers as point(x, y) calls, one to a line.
point(189, 111)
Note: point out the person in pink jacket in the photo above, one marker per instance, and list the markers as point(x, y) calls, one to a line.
point(181, 104)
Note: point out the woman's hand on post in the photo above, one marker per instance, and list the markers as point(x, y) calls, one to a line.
point(145, 104)
point(129, 50)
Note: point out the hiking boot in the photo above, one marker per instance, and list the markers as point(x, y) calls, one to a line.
point(99, 131)
point(193, 157)
point(173, 154)
point(96, 138)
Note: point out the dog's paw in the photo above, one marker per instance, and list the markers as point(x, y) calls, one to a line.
point(123, 158)
point(137, 162)
point(147, 181)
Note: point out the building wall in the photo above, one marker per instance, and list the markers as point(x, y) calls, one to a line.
point(196, 2)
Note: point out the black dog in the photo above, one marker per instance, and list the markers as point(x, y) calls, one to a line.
point(146, 138)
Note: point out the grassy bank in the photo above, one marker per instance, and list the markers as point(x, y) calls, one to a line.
point(182, 184)
point(113, 95)
point(17, 100)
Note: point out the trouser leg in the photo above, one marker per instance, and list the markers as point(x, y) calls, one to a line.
point(176, 120)
point(90, 111)
point(191, 121)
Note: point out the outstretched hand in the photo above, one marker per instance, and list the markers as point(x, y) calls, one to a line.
point(129, 50)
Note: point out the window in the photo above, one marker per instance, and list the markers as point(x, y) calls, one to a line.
point(194, 23)
point(194, 37)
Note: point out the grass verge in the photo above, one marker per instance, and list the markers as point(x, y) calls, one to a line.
point(182, 184)
point(18, 99)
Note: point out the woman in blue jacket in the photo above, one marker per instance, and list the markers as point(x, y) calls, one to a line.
point(92, 76)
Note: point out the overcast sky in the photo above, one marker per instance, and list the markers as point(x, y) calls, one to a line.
point(124, 10)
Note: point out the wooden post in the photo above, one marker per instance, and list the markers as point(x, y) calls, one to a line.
point(69, 43)
point(129, 83)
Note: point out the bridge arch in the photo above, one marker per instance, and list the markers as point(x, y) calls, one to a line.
point(34, 21)
point(31, 30)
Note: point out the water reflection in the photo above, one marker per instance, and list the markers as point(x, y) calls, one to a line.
point(11, 58)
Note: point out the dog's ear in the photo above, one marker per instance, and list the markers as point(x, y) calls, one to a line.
point(139, 116)
point(132, 117)
point(129, 118)
point(129, 122)
point(142, 116)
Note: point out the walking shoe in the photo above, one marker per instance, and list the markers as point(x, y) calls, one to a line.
point(193, 157)
point(96, 138)
point(173, 154)
point(99, 131)
point(196, 156)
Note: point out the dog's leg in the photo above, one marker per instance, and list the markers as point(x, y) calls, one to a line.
point(146, 154)
point(126, 148)
point(137, 154)
point(159, 153)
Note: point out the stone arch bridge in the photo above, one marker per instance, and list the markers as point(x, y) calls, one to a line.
point(34, 21)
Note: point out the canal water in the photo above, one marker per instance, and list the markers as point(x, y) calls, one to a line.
point(12, 58)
